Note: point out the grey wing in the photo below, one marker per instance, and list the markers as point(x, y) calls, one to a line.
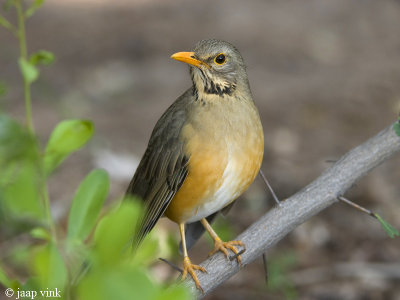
point(162, 170)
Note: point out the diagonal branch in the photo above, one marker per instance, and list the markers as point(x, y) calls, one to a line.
point(318, 195)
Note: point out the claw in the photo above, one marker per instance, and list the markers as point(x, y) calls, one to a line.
point(188, 267)
point(219, 245)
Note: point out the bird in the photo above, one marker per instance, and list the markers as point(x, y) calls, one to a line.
point(203, 153)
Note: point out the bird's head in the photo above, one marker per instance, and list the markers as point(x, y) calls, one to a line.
point(216, 67)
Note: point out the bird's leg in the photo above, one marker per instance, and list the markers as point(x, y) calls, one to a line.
point(188, 267)
point(219, 245)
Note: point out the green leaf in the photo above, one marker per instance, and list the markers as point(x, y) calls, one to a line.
point(117, 283)
point(112, 273)
point(4, 280)
point(28, 70)
point(87, 204)
point(148, 250)
point(40, 233)
point(396, 127)
point(177, 292)
point(6, 24)
point(20, 172)
point(114, 233)
point(67, 137)
point(22, 192)
point(42, 57)
point(49, 266)
point(32, 285)
point(16, 143)
point(389, 229)
point(33, 8)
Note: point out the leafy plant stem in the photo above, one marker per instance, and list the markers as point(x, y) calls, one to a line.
point(24, 55)
point(46, 203)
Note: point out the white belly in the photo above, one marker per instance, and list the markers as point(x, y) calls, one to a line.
point(230, 189)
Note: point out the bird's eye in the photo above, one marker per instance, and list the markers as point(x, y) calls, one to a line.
point(220, 59)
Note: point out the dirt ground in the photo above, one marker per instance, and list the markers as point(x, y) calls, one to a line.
point(324, 74)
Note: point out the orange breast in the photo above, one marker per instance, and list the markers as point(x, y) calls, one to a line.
point(206, 165)
point(219, 171)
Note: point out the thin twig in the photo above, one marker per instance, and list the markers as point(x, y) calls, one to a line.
point(270, 188)
point(173, 266)
point(233, 257)
point(359, 207)
point(265, 264)
point(279, 204)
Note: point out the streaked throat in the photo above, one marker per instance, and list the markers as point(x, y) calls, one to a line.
point(206, 84)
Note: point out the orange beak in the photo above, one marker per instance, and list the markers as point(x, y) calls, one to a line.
point(188, 57)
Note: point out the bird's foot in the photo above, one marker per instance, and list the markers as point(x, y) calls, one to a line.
point(188, 267)
point(219, 245)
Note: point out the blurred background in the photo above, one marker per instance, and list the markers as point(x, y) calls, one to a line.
point(324, 74)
